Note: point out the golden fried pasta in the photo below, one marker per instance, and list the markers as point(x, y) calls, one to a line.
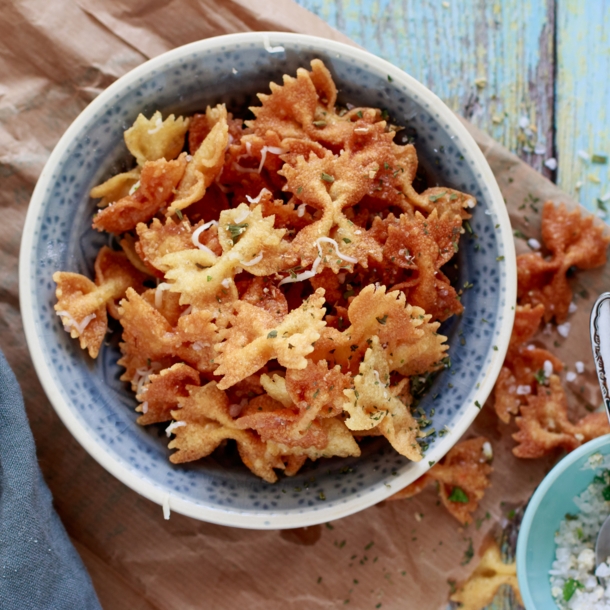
point(462, 477)
point(298, 274)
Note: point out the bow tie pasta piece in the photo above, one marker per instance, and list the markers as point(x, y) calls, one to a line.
point(373, 404)
point(289, 342)
point(203, 421)
point(82, 304)
point(340, 443)
point(524, 368)
point(116, 188)
point(304, 108)
point(315, 391)
point(425, 245)
point(158, 239)
point(161, 392)
point(205, 164)
point(544, 424)
point(249, 242)
point(157, 183)
point(274, 422)
point(574, 241)
point(155, 138)
point(405, 332)
point(148, 336)
point(465, 468)
point(330, 185)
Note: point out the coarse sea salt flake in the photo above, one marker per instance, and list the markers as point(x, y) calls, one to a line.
point(524, 122)
point(551, 163)
point(564, 329)
point(523, 390)
point(580, 367)
point(534, 244)
point(570, 376)
point(548, 368)
point(573, 307)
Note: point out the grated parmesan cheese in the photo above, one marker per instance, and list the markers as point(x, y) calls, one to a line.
point(70, 323)
point(198, 232)
point(134, 188)
point(255, 200)
point(173, 426)
point(158, 125)
point(257, 259)
point(166, 508)
point(159, 294)
point(269, 48)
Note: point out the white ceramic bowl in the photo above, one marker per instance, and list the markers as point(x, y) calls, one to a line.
point(98, 409)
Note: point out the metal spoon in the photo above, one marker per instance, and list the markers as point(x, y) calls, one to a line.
point(600, 342)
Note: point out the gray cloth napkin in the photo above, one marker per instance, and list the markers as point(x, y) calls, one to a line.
point(39, 567)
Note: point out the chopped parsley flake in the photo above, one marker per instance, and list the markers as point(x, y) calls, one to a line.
point(272, 334)
point(458, 495)
point(179, 214)
point(382, 320)
point(570, 588)
point(327, 177)
point(236, 230)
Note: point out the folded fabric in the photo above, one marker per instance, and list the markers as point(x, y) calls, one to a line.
point(39, 567)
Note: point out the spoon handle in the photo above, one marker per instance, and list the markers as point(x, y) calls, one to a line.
point(600, 342)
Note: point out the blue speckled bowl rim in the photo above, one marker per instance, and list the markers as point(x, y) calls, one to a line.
point(226, 516)
point(532, 508)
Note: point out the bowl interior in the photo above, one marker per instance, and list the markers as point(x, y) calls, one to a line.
point(98, 408)
point(545, 511)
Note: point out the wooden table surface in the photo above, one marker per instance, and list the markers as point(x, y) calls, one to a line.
point(533, 74)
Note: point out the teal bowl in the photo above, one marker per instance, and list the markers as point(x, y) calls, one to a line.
point(545, 511)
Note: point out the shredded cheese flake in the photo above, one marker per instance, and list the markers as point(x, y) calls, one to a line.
point(166, 508)
point(158, 125)
point(255, 199)
point(173, 426)
point(257, 259)
point(70, 323)
point(198, 232)
point(159, 294)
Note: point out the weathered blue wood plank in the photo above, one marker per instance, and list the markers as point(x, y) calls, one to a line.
point(491, 62)
point(583, 99)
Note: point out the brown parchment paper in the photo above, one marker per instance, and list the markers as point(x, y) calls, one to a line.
point(54, 58)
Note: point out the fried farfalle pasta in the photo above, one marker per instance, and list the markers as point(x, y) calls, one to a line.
point(462, 477)
point(526, 367)
point(82, 304)
point(544, 424)
point(162, 391)
point(406, 334)
point(483, 584)
point(247, 346)
point(248, 241)
point(155, 138)
point(299, 278)
point(203, 421)
point(157, 183)
point(205, 164)
point(573, 240)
